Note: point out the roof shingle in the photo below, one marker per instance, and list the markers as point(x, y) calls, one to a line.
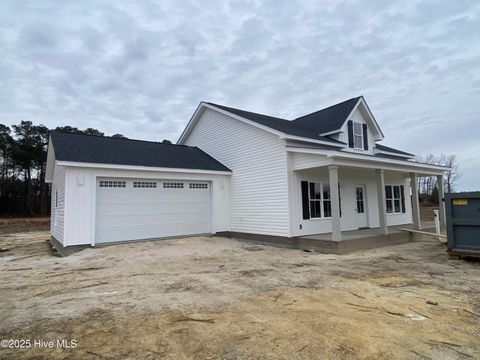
point(283, 125)
point(328, 119)
point(106, 150)
point(392, 150)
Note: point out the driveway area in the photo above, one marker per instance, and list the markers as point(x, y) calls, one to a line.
point(218, 298)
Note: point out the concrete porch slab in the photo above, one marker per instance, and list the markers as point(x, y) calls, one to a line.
point(362, 239)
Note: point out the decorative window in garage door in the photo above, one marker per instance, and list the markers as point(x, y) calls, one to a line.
point(145, 184)
point(112, 183)
point(173, 185)
point(198, 186)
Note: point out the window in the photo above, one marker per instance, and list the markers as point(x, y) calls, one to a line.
point(393, 199)
point(173, 185)
point(357, 135)
point(315, 196)
point(320, 201)
point(360, 201)
point(198, 186)
point(56, 198)
point(145, 184)
point(113, 183)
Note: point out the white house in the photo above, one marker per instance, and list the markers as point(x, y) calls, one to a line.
point(236, 172)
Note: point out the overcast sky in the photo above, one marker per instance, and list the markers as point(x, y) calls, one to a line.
point(140, 68)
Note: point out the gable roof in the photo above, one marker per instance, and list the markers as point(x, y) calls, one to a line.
point(392, 150)
point(328, 119)
point(84, 148)
point(283, 125)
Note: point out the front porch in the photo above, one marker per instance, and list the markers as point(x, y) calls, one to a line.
point(334, 197)
point(362, 239)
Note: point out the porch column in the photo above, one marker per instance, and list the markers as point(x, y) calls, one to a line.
point(415, 201)
point(441, 202)
point(382, 206)
point(335, 203)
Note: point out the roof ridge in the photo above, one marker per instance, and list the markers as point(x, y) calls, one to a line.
point(328, 107)
point(114, 138)
point(247, 111)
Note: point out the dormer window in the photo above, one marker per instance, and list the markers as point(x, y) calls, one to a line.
point(357, 135)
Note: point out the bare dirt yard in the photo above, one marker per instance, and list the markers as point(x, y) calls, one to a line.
point(218, 298)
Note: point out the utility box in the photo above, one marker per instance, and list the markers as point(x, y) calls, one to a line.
point(463, 223)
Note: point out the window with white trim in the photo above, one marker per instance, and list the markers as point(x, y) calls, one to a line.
point(145, 184)
point(393, 199)
point(357, 135)
point(112, 183)
point(173, 185)
point(198, 186)
point(319, 200)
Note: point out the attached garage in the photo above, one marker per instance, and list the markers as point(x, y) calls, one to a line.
point(112, 190)
point(136, 209)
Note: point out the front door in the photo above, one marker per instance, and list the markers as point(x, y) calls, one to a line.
point(360, 206)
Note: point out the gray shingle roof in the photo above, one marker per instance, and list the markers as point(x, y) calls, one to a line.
point(283, 125)
point(106, 150)
point(328, 119)
point(392, 150)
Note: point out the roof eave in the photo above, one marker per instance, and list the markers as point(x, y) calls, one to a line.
point(404, 155)
point(140, 168)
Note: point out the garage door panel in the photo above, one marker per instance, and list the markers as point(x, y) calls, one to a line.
point(145, 219)
point(142, 213)
point(114, 209)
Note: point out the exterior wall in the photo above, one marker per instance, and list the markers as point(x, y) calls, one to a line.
point(357, 116)
point(58, 212)
point(348, 178)
point(259, 192)
point(81, 198)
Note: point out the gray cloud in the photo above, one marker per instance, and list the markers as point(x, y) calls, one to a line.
point(140, 68)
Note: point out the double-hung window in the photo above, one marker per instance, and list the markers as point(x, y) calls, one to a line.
point(357, 135)
point(393, 199)
point(319, 200)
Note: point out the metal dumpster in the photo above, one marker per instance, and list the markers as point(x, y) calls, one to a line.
point(463, 223)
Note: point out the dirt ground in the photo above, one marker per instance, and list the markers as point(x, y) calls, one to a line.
point(218, 298)
point(12, 225)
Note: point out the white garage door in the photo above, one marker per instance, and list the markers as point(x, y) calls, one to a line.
point(130, 209)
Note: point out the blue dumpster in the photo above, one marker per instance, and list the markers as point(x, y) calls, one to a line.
point(463, 223)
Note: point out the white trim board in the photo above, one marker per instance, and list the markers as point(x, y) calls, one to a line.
point(141, 168)
point(364, 160)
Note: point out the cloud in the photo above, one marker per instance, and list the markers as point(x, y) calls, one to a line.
point(141, 68)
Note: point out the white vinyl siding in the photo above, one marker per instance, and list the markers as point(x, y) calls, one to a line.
point(82, 186)
point(259, 191)
point(58, 203)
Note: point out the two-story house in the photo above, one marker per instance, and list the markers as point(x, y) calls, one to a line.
point(237, 172)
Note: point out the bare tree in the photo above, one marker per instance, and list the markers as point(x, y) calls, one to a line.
point(428, 184)
point(452, 176)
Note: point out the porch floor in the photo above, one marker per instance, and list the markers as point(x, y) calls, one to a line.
point(362, 239)
point(368, 233)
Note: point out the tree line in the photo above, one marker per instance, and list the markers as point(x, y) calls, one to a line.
point(23, 158)
point(427, 185)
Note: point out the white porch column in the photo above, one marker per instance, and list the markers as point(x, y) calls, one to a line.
point(441, 203)
point(336, 225)
point(415, 202)
point(382, 206)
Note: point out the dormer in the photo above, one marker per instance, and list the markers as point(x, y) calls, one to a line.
point(359, 129)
